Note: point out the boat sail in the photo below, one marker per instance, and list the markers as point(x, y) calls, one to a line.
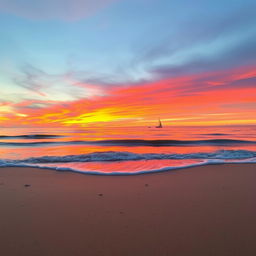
point(160, 124)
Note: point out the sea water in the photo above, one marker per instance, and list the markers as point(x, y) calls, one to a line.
point(126, 150)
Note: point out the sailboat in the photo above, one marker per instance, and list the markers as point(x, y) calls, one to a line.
point(160, 124)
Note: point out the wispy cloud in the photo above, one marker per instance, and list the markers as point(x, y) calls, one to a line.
point(213, 98)
point(53, 87)
point(240, 55)
point(67, 10)
point(203, 44)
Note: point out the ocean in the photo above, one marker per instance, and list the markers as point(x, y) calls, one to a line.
point(126, 150)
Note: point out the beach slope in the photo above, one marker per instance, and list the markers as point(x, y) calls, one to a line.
point(206, 210)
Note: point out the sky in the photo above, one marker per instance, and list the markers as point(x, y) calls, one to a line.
point(127, 62)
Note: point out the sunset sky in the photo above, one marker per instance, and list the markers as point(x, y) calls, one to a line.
point(127, 62)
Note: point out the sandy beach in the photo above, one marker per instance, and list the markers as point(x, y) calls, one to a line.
point(207, 210)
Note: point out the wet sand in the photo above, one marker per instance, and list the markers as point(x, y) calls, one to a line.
point(207, 210)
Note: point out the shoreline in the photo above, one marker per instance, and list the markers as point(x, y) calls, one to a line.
point(98, 173)
point(203, 210)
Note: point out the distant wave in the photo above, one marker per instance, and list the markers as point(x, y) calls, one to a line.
point(134, 143)
point(30, 136)
point(128, 156)
point(159, 143)
point(215, 134)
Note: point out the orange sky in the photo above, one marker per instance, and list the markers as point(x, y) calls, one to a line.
point(219, 98)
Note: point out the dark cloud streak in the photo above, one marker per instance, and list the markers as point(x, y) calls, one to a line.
point(241, 55)
point(199, 31)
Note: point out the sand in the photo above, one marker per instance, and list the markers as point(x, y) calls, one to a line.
point(207, 210)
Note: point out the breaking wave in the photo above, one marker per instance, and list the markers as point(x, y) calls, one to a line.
point(128, 156)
